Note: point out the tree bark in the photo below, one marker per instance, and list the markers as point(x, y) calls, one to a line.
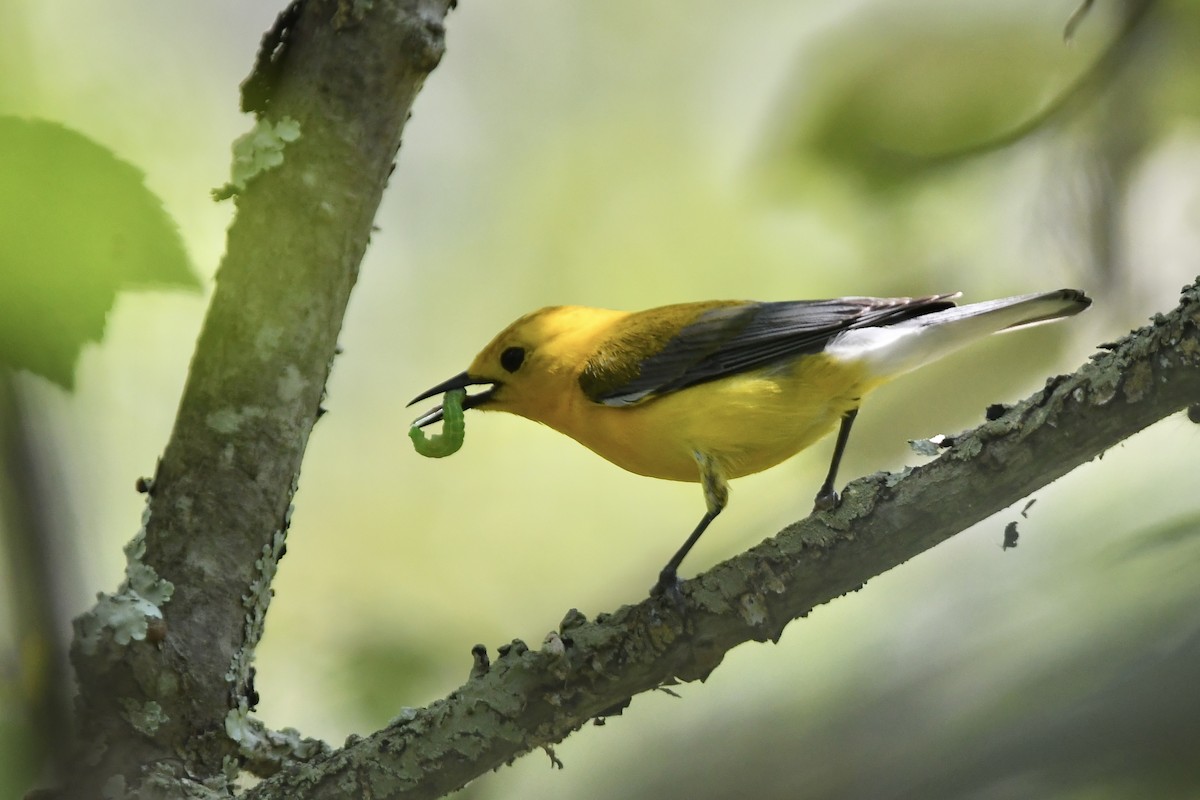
point(165, 665)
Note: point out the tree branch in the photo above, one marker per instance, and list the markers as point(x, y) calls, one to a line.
point(530, 699)
point(165, 665)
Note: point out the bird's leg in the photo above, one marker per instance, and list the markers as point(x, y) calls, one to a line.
point(716, 495)
point(827, 497)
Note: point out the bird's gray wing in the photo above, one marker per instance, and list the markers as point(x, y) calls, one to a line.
point(650, 355)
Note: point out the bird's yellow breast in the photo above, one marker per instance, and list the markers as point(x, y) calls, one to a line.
point(746, 422)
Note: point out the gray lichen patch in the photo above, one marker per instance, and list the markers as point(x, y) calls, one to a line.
point(291, 384)
point(257, 151)
point(229, 420)
point(256, 601)
point(146, 718)
point(139, 599)
point(254, 740)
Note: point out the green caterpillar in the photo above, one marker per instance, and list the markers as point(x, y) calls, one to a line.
point(454, 429)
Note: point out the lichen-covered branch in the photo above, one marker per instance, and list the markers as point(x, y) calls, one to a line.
point(534, 698)
point(165, 664)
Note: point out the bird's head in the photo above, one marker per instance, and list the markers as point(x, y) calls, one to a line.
point(531, 366)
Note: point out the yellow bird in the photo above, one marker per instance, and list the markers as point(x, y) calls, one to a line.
point(710, 391)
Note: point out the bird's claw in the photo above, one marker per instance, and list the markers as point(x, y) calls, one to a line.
point(826, 500)
point(668, 587)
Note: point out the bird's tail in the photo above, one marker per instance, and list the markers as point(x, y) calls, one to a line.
point(895, 349)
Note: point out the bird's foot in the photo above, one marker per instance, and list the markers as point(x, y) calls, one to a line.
point(826, 500)
point(668, 587)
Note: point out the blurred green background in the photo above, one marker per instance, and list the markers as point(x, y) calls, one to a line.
point(627, 155)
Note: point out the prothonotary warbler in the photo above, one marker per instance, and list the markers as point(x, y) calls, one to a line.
point(710, 391)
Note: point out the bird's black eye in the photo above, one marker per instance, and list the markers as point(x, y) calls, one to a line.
point(512, 358)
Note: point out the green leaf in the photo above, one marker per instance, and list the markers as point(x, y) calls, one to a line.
point(77, 225)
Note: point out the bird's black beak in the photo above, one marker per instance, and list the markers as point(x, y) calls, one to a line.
point(459, 381)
